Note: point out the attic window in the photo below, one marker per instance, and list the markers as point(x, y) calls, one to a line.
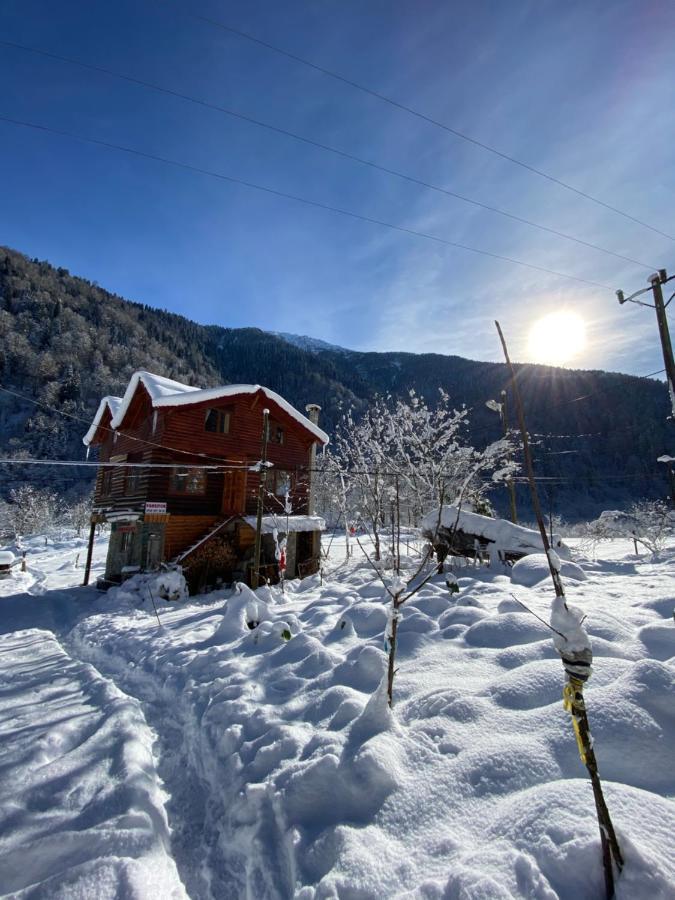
point(275, 433)
point(217, 421)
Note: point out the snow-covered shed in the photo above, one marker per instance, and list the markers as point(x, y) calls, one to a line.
point(458, 532)
point(223, 553)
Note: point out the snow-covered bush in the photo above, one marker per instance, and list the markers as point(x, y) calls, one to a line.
point(168, 584)
point(31, 510)
point(652, 522)
point(648, 522)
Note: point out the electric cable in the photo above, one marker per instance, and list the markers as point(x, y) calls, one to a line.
point(318, 144)
point(298, 199)
point(419, 115)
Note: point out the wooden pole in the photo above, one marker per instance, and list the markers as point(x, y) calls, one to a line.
point(529, 468)
point(255, 574)
point(90, 550)
point(664, 335)
point(573, 693)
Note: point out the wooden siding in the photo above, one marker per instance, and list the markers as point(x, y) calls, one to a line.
point(183, 531)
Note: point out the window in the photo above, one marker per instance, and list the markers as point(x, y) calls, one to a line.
point(106, 482)
point(282, 484)
point(187, 481)
point(217, 421)
point(127, 539)
point(275, 433)
point(132, 479)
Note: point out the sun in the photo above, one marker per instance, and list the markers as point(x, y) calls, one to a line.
point(557, 338)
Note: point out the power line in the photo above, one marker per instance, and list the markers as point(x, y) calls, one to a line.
point(422, 116)
point(318, 144)
point(381, 472)
point(98, 464)
point(604, 390)
point(472, 432)
point(298, 199)
point(492, 429)
point(62, 412)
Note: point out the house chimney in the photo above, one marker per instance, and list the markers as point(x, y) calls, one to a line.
point(313, 410)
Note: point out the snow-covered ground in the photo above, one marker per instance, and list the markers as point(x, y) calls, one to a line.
point(206, 758)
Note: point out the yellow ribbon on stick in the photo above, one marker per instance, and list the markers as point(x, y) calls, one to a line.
point(572, 700)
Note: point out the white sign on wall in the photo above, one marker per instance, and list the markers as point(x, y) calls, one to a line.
point(155, 508)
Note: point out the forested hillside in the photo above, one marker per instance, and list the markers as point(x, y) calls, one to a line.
point(66, 342)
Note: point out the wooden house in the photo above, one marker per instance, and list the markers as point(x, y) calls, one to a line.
point(180, 475)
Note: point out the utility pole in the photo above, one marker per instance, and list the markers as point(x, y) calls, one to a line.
point(655, 281)
point(255, 574)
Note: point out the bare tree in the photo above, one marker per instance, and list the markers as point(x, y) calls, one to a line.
point(78, 513)
point(359, 458)
point(31, 510)
point(650, 523)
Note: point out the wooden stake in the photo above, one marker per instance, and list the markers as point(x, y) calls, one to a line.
point(90, 550)
point(608, 839)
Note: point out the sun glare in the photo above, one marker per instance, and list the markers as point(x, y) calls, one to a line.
point(557, 338)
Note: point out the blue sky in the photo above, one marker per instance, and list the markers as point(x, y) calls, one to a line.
point(582, 90)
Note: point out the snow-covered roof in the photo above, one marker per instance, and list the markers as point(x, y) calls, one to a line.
point(111, 403)
point(505, 535)
point(165, 392)
point(157, 387)
point(288, 524)
point(233, 390)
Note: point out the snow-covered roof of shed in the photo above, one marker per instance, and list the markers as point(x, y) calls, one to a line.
point(288, 524)
point(166, 392)
point(505, 535)
point(233, 390)
point(111, 403)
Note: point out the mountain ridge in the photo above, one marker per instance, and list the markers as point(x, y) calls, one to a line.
point(68, 342)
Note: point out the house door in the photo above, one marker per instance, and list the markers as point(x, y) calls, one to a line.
point(234, 491)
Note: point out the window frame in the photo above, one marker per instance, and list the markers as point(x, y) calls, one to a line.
point(276, 433)
point(106, 481)
point(223, 419)
point(132, 476)
point(175, 484)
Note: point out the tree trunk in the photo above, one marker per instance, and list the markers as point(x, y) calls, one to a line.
point(391, 671)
